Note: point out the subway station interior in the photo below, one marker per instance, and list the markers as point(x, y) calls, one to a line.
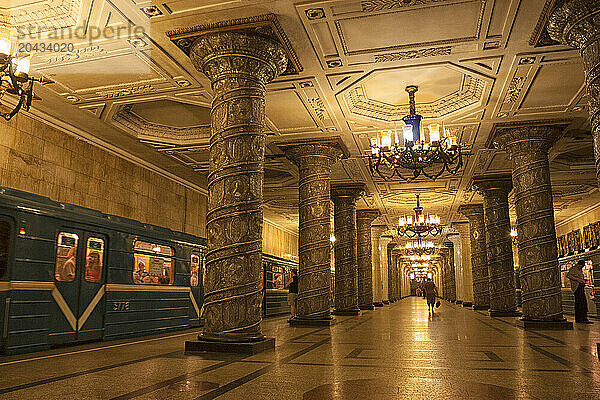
point(300, 199)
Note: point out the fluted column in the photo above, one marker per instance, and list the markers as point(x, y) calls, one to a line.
point(376, 232)
point(503, 295)
point(239, 65)
point(364, 218)
point(314, 162)
point(576, 23)
point(385, 279)
point(451, 272)
point(479, 267)
point(344, 198)
point(465, 253)
point(528, 148)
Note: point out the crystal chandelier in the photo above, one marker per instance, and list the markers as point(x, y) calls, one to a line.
point(420, 225)
point(392, 151)
point(14, 73)
point(419, 247)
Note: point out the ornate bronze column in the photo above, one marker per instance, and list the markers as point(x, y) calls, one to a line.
point(503, 296)
point(385, 276)
point(391, 272)
point(575, 23)
point(314, 161)
point(451, 272)
point(376, 232)
point(479, 267)
point(465, 255)
point(239, 64)
point(528, 148)
point(364, 218)
point(344, 196)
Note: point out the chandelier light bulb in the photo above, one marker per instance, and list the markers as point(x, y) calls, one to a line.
point(386, 139)
point(5, 40)
point(23, 65)
point(407, 133)
point(434, 133)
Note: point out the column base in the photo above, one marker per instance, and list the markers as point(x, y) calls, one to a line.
point(367, 307)
point(481, 307)
point(378, 304)
point(385, 301)
point(347, 312)
point(459, 301)
point(497, 313)
point(296, 322)
point(203, 346)
point(467, 304)
point(529, 325)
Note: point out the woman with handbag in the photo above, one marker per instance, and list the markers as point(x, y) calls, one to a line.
point(431, 293)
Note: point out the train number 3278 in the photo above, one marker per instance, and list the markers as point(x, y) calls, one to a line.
point(120, 306)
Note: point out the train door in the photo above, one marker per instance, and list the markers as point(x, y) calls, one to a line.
point(5, 238)
point(196, 284)
point(79, 279)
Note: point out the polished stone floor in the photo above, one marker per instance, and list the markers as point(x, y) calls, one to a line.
point(395, 352)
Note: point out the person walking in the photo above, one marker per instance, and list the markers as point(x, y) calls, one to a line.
point(293, 292)
point(431, 293)
point(577, 279)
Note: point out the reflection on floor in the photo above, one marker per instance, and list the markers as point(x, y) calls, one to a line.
point(395, 352)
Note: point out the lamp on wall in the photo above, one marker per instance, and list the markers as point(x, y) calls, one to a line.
point(14, 72)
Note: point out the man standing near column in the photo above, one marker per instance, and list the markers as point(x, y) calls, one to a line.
point(577, 279)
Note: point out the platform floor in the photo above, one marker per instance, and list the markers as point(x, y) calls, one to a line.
point(394, 352)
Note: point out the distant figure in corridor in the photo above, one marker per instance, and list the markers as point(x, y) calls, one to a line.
point(577, 279)
point(431, 294)
point(293, 292)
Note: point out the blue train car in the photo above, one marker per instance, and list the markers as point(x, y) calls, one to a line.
point(70, 274)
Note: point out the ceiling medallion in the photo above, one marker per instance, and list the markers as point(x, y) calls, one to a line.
point(420, 225)
point(389, 155)
point(14, 74)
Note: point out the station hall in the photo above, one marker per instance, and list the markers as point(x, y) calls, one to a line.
point(300, 199)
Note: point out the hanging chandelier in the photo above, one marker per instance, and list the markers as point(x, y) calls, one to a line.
point(393, 151)
point(14, 73)
point(419, 225)
point(420, 257)
point(419, 248)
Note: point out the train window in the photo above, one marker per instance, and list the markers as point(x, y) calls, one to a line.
point(4, 245)
point(93, 260)
point(194, 269)
point(278, 277)
point(153, 264)
point(66, 253)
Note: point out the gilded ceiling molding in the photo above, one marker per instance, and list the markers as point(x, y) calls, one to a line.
point(148, 130)
point(407, 55)
point(470, 93)
point(46, 15)
point(266, 25)
point(540, 36)
point(383, 5)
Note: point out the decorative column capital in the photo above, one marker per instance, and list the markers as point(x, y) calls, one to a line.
point(347, 191)
point(576, 23)
point(306, 153)
point(493, 184)
point(377, 230)
point(471, 211)
point(385, 240)
point(519, 139)
point(367, 214)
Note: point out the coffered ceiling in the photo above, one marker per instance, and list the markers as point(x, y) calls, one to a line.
point(477, 63)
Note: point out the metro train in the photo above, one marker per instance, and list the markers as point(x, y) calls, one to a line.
point(70, 274)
